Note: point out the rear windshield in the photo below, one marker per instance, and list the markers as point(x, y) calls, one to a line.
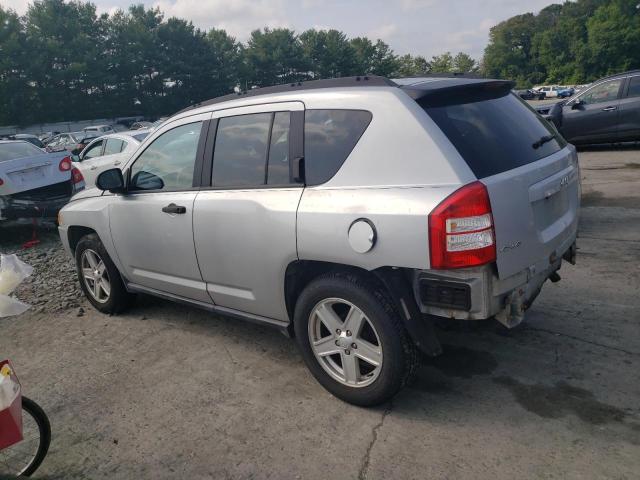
point(11, 150)
point(497, 134)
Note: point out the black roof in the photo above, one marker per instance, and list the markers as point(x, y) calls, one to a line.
point(415, 87)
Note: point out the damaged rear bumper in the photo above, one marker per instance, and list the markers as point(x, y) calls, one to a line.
point(43, 202)
point(478, 293)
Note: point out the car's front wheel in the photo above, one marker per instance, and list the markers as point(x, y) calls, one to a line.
point(99, 277)
point(353, 340)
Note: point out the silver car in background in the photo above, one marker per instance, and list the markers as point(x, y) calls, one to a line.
point(350, 213)
point(34, 183)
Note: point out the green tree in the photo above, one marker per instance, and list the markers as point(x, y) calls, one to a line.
point(442, 63)
point(463, 62)
point(15, 92)
point(328, 54)
point(410, 66)
point(374, 58)
point(613, 34)
point(274, 56)
point(63, 44)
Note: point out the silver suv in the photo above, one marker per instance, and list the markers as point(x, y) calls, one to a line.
point(349, 213)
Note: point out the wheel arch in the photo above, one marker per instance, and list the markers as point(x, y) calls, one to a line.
point(300, 273)
point(393, 281)
point(75, 233)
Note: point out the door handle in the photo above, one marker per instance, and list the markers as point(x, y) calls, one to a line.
point(609, 109)
point(173, 208)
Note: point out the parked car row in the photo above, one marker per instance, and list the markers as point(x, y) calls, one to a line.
point(556, 91)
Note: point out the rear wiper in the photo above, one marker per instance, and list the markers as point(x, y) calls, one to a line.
point(543, 140)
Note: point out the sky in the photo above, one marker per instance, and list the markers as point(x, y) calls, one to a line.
point(419, 27)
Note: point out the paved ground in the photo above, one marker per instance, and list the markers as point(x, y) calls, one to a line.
point(171, 392)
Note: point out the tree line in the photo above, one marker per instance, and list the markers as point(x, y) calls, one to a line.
point(62, 61)
point(572, 43)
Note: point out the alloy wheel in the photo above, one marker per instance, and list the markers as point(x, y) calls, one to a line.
point(95, 276)
point(345, 342)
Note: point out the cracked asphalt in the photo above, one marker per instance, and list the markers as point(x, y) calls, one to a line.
point(167, 391)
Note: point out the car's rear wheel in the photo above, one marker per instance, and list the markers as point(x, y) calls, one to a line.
point(352, 339)
point(99, 278)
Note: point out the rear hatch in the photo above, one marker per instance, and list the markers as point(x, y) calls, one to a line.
point(530, 172)
point(32, 169)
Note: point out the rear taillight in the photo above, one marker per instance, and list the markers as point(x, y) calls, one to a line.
point(76, 176)
point(1, 182)
point(461, 230)
point(65, 164)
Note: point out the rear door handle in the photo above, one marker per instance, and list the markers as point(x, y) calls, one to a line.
point(173, 208)
point(608, 109)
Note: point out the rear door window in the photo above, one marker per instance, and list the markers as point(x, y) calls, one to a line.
point(496, 134)
point(329, 138)
point(113, 146)
point(240, 155)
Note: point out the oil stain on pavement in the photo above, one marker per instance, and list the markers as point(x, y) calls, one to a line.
point(463, 362)
point(561, 399)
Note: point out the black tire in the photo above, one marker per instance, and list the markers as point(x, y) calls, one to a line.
point(400, 355)
point(33, 409)
point(119, 299)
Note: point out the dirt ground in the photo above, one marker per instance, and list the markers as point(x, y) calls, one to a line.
point(172, 392)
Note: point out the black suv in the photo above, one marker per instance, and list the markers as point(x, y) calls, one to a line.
point(606, 111)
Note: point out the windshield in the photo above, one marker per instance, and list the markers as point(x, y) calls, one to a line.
point(497, 134)
point(12, 150)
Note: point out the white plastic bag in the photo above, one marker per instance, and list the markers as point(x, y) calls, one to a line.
point(12, 272)
point(9, 390)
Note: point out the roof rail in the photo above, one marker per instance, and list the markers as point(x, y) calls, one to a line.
point(358, 81)
point(446, 75)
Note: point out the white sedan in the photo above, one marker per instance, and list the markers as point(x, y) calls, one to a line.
point(107, 152)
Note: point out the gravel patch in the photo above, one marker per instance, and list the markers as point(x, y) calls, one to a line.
point(53, 287)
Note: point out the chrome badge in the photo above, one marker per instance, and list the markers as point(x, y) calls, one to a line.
point(510, 246)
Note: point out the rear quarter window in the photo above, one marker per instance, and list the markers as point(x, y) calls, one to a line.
point(329, 138)
point(496, 134)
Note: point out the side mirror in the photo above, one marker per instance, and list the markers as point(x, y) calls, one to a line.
point(111, 180)
point(577, 104)
point(146, 181)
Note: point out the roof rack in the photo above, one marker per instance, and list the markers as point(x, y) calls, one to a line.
point(358, 81)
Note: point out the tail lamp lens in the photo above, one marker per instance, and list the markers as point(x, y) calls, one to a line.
point(461, 232)
point(76, 176)
point(65, 164)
